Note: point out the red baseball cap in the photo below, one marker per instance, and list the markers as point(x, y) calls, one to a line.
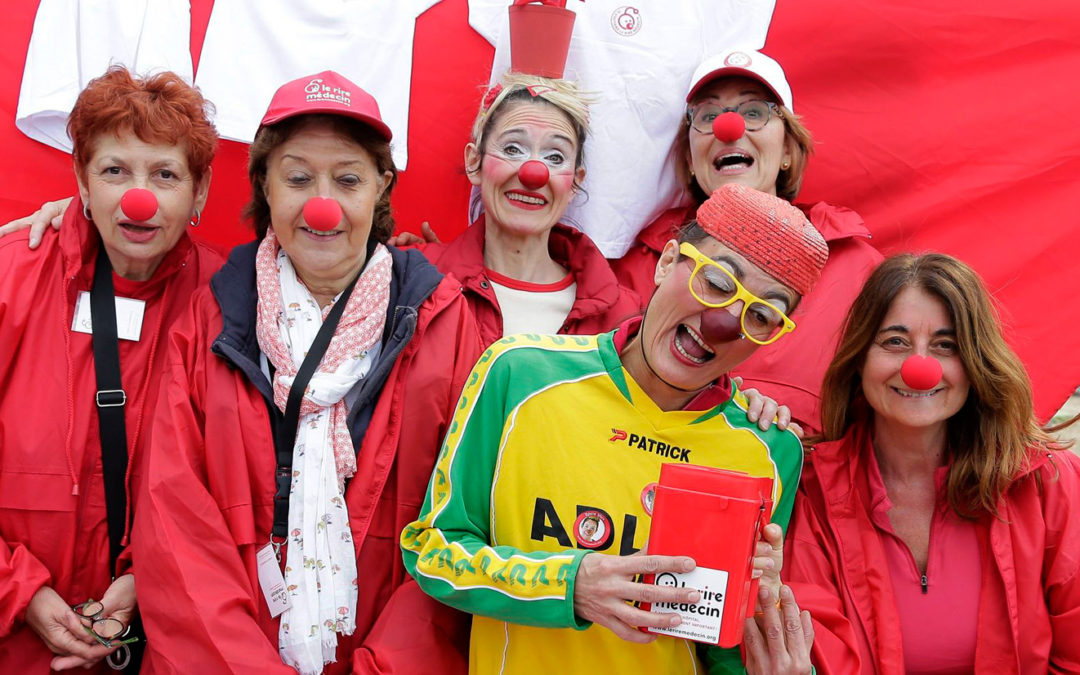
point(743, 62)
point(327, 92)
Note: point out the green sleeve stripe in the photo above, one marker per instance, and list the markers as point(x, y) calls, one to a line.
point(447, 551)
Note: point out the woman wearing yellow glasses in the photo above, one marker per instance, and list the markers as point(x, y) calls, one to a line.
point(541, 493)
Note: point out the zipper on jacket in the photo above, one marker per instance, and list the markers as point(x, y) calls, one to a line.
point(924, 583)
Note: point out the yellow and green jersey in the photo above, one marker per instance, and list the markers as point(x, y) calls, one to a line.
point(547, 458)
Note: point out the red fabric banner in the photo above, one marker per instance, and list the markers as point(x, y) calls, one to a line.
point(948, 127)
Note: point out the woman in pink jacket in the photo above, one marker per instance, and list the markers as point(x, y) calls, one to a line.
point(937, 517)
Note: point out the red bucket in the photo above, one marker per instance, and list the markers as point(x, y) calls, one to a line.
point(540, 37)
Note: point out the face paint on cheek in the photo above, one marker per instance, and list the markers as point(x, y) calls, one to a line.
point(494, 167)
point(562, 181)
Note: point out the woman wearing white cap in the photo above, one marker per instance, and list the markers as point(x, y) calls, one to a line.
point(739, 128)
point(305, 396)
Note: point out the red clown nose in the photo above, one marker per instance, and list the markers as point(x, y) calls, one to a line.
point(139, 204)
point(719, 324)
point(533, 174)
point(921, 372)
point(322, 213)
point(728, 127)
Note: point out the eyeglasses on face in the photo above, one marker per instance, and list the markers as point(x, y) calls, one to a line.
point(755, 113)
point(713, 285)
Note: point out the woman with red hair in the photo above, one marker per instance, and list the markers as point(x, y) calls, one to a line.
point(81, 323)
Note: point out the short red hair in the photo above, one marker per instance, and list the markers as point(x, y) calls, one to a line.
point(160, 109)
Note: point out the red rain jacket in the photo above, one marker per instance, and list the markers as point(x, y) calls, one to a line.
point(52, 499)
point(790, 370)
point(601, 304)
point(208, 508)
point(1029, 607)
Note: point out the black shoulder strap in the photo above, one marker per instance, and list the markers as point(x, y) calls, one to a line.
point(286, 436)
point(111, 401)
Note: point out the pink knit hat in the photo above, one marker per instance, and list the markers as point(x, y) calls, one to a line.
point(767, 231)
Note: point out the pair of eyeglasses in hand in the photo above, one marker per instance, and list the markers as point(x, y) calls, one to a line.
point(108, 631)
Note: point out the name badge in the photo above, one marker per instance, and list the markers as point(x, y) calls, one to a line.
point(129, 317)
point(271, 581)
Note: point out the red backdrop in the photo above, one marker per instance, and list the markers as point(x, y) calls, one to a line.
point(946, 127)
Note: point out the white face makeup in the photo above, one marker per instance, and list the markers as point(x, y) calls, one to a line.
point(526, 130)
point(673, 341)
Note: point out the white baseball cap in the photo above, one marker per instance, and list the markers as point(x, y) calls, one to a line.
point(746, 63)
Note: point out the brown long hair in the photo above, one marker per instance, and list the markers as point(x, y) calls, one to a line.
point(995, 434)
point(270, 137)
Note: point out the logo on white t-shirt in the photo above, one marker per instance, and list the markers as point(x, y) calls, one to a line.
point(626, 20)
point(317, 91)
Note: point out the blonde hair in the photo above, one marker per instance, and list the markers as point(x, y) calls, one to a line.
point(993, 437)
point(797, 141)
point(563, 94)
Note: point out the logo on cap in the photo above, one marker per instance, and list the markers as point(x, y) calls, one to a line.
point(317, 91)
point(626, 20)
point(737, 60)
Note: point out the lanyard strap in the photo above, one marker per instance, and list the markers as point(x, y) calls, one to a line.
point(285, 439)
point(111, 401)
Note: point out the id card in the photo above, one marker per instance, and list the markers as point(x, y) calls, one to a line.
point(271, 581)
point(129, 317)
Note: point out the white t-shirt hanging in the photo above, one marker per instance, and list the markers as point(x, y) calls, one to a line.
point(636, 59)
point(254, 46)
point(75, 41)
point(533, 308)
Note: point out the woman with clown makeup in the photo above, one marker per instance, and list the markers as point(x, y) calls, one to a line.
point(522, 269)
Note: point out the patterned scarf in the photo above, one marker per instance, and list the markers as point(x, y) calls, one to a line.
point(321, 572)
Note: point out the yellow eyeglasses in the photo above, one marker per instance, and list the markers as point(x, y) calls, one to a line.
point(713, 285)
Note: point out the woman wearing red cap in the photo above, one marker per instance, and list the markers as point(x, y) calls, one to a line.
point(142, 151)
point(937, 517)
point(522, 269)
point(305, 396)
point(517, 485)
point(739, 128)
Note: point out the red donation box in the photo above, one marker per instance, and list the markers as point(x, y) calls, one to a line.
point(715, 517)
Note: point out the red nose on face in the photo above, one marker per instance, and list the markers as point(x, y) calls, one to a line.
point(533, 174)
point(139, 204)
point(728, 127)
point(921, 372)
point(720, 324)
point(322, 213)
